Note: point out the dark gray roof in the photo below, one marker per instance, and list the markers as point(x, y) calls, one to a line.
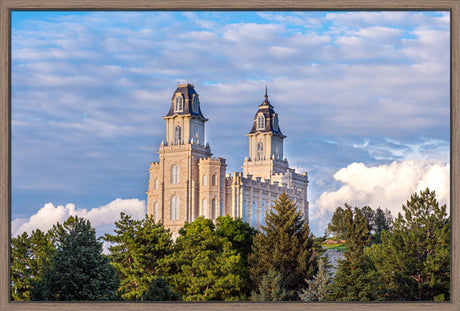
point(187, 91)
point(267, 110)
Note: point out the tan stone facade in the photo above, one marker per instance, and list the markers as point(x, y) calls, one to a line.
point(188, 182)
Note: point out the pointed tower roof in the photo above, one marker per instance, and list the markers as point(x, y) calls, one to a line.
point(270, 118)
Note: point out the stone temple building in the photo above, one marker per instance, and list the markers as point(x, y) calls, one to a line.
point(187, 182)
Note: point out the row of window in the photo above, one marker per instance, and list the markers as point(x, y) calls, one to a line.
point(174, 208)
point(179, 104)
point(175, 173)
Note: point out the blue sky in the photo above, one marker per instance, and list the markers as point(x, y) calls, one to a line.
point(363, 98)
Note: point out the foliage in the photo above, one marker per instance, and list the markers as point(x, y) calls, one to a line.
point(318, 287)
point(238, 232)
point(286, 246)
point(271, 288)
point(337, 226)
point(137, 245)
point(204, 266)
point(78, 270)
point(355, 277)
point(159, 290)
point(382, 221)
point(30, 256)
point(414, 260)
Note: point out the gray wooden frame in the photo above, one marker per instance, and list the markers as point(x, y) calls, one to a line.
point(5, 146)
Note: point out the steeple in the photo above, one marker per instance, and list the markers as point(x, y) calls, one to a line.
point(266, 120)
point(265, 143)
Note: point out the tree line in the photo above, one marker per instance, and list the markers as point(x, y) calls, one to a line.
point(401, 259)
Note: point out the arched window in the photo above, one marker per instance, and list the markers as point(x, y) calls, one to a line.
point(275, 122)
point(262, 214)
point(204, 206)
point(253, 220)
point(205, 180)
point(177, 135)
point(213, 180)
point(260, 122)
point(155, 184)
point(174, 212)
point(221, 207)
point(197, 134)
point(213, 209)
point(195, 104)
point(179, 104)
point(260, 151)
point(175, 171)
point(156, 211)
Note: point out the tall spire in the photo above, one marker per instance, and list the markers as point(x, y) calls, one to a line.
point(266, 101)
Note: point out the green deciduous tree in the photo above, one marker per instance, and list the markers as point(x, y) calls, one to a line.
point(30, 257)
point(79, 270)
point(135, 249)
point(285, 246)
point(414, 260)
point(204, 265)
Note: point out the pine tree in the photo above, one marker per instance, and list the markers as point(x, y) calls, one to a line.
point(382, 221)
point(286, 246)
point(204, 266)
point(30, 257)
point(355, 277)
point(318, 287)
point(159, 290)
point(136, 247)
point(271, 288)
point(414, 260)
point(78, 270)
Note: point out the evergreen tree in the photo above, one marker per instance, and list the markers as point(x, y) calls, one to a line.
point(355, 277)
point(78, 270)
point(286, 246)
point(30, 257)
point(135, 249)
point(414, 260)
point(271, 288)
point(204, 266)
point(160, 290)
point(382, 221)
point(318, 287)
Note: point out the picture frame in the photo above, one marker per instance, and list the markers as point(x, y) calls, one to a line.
point(6, 6)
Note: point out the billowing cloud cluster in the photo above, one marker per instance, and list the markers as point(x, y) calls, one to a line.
point(102, 217)
point(386, 186)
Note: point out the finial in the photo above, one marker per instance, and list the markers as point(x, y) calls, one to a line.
point(266, 94)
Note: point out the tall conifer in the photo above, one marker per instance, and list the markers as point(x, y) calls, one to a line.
point(286, 246)
point(79, 270)
point(414, 260)
point(136, 247)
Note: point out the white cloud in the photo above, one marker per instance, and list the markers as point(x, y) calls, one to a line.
point(386, 186)
point(102, 218)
